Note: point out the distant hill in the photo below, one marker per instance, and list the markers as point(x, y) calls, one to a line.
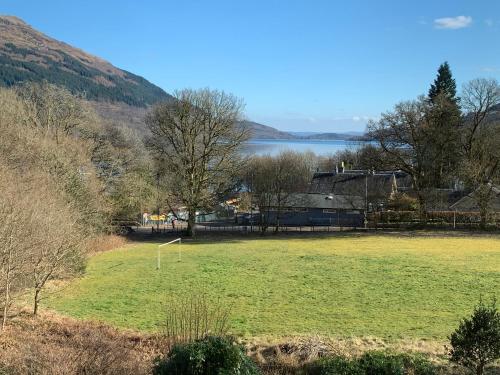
point(117, 95)
point(332, 136)
point(28, 55)
point(260, 131)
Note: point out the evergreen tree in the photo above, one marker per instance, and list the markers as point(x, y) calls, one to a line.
point(444, 84)
point(444, 117)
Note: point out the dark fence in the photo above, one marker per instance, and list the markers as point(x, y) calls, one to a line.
point(432, 219)
point(404, 220)
point(244, 229)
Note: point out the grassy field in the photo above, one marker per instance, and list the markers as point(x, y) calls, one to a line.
point(386, 286)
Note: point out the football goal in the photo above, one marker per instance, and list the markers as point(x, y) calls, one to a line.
point(158, 260)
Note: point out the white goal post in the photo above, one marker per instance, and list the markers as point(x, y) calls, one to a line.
point(165, 244)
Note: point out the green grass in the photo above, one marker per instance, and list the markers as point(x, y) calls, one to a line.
point(385, 286)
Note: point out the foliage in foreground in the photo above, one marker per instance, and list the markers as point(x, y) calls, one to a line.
point(57, 346)
point(379, 363)
point(476, 342)
point(210, 356)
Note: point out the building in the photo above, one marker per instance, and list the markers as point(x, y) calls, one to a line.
point(314, 209)
point(469, 203)
point(375, 187)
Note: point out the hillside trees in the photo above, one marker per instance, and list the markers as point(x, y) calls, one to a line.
point(125, 168)
point(111, 159)
point(39, 135)
point(40, 239)
point(50, 194)
point(195, 142)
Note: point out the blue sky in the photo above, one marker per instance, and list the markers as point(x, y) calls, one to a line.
point(299, 65)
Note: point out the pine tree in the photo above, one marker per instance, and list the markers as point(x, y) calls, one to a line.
point(444, 84)
point(443, 132)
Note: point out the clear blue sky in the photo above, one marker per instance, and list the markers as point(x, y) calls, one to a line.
point(299, 65)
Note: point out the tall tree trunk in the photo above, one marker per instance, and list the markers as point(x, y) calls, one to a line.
point(7, 289)
point(6, 306)
point(36, 301)
point(480, 369)
point(191, 222)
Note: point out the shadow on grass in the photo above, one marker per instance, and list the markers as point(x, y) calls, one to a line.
point(207, 237)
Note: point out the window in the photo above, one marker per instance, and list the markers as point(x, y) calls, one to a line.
point(352, 212)
point(301, 209)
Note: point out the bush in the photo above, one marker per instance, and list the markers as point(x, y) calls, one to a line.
point(193, 317)
point(373, 363)
point(402, 202)
point(380, 363)
point(334, 366)
point(476, 342)
point(210, 356)
point(57, 346)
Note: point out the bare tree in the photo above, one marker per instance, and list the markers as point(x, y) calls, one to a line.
point(403, 136)
point(481, 141)
point(479, 97)
point(55, 110)
point(273, 180)
point(14, 237)
point(196, 142)
point(43, 186)
point(27, 145)
point(258, 179)
point(58, 246)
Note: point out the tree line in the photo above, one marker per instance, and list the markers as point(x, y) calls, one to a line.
point(442, 140)
point(64, 175)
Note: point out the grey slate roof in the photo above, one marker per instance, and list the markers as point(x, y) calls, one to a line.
point(324, 201)
point(469, 203)
point(380, 184)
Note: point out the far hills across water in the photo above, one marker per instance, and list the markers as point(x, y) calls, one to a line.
point(117, 95)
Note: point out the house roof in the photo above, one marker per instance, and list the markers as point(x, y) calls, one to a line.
point(324, 201)
point(379, 184)
point(469, 202)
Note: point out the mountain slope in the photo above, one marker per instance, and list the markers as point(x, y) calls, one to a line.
point(260, 131)
point(117, 95)
point(28, 55)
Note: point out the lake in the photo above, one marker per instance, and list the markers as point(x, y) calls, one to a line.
point(319, 147)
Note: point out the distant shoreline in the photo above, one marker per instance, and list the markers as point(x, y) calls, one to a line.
point(269, 146)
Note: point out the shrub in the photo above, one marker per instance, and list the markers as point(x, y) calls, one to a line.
point(334, 366)
point(402, 202)
point(47, 346)
point(194, 317)
point(210, 356)
point(373, 363)
point(381, 363)
point(476, 342)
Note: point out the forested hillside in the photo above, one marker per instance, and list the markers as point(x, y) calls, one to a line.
point(28, 55)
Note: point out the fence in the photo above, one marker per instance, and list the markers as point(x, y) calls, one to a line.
point(244, 229)
point(432, 219)
point(376, 220)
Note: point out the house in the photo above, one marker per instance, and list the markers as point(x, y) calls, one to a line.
point(469, 203)
point(309, 209)
point(376, 187)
